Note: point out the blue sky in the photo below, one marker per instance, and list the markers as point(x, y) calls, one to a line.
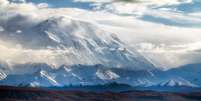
point(64, 3)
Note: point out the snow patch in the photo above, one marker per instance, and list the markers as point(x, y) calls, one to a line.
point(53, 36)
point(48, 77)
point(106, 75)
point(2, 75)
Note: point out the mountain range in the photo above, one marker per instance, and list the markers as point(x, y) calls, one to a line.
point(60, 51)
point(79, 52)
point(70, 41)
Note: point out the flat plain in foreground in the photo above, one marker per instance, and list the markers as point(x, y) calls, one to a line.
point(39, 94)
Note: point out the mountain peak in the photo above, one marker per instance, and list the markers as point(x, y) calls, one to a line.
point(177, 83)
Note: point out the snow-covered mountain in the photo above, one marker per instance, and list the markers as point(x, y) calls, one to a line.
point(49, 47)
point(46, 75)
point(77, 75)
point(71, 41)
point(189, 72)
point(177, 83)
point(173, 85)
point(183, 76)
point(59, 50)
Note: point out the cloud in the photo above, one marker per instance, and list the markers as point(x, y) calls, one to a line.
point(138, 2)
point(21, 5)
point(43, 5)
point(135, 7)
point(16, 54)
point(3, 3)
point(170, 56)
point(163, 48)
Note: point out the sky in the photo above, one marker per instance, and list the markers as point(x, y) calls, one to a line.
point(166, 32)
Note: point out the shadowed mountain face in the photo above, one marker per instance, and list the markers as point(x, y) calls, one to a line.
point(44, 75)
point(190, 72)
point(35, 94)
